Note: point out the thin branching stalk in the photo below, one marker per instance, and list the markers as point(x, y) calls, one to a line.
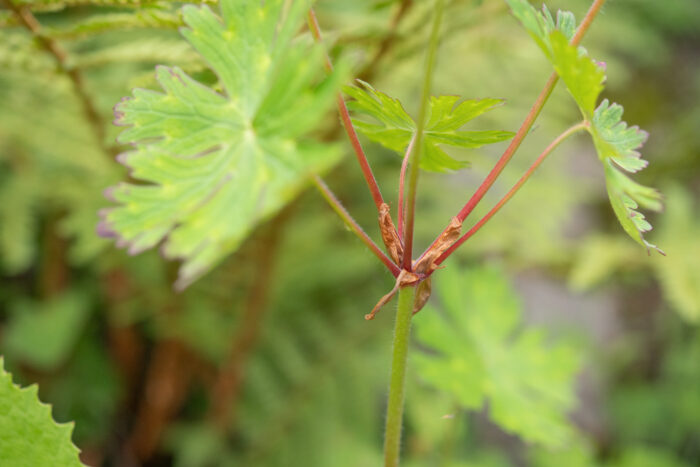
point(397, 385)
point(29, 21)
point(512, 148)
point(414, 157)
point(352, 224)
point(553, 145)
point(347, 124)
point(402, 181)
point(527, 123)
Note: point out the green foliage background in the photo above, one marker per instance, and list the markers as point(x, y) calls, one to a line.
point(135, 364)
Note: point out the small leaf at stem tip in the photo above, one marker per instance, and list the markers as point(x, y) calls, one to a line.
point(582, 76)
point(446, 115)
point(541, 24)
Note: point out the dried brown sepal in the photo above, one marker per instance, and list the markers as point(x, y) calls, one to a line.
point(382, 301)
point(426, 264)
point(389, 234)
point(404, 279)
point(423, 292)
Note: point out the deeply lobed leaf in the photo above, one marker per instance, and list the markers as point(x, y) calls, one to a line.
point(446, 115)
point(216, 164)
point(477, 355)
point(541, 24)
point(582, 76)
point(617, 144)
point(615, 140)
point(626, 196)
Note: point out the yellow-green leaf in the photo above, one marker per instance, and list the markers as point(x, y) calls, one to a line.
point(215, 164)
point(29, 437)
point(446, 115)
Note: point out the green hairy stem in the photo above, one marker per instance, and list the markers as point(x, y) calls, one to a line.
point(397, 385)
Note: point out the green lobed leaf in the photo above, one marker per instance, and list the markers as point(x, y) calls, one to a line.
point(446, 115)
point(582, 76)
point(617, 147)
point(479, 354)
point(615, 140)
point(541, 24)
point(617, 144)
point(626, 196)
point(215, 165)
point(29, 436)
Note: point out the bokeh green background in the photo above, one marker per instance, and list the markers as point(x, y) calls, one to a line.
point(133, 363)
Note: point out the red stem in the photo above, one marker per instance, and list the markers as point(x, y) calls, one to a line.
point(587, 20)
point(353, 225)
point(347, 124)
point(526, 125)
point(512, 191)
point(512, 148)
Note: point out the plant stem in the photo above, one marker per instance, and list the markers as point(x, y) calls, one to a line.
point(402, 178)
point(527, 123)
point(29, 21)
point(553, 145)
point(512, 148)
point(586, 22)
point(414, 157)
point(347, 124)
point(397, 385)
point(529, 119)
point(353, 225)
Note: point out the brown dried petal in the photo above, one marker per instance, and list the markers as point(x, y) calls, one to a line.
point(389, 234)
point(426, 264)
point(405, 279)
